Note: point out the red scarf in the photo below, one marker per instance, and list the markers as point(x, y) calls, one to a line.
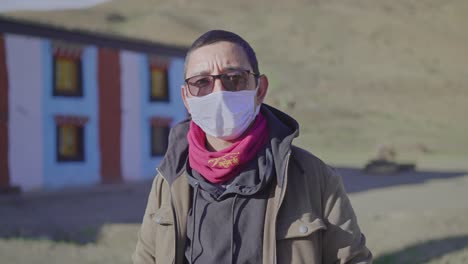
point(223, 165)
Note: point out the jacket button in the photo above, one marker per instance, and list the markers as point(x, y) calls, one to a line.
point(303, 229)
point(158, 220)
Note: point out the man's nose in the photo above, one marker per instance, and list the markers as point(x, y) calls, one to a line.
point(218, 85)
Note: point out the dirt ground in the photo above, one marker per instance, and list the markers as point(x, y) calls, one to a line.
point(417, 217)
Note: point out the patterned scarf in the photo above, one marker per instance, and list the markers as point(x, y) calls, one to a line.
point(221, 166)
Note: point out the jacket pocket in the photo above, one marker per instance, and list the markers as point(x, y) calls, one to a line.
point(163, 216)
point(164, 235)
point(297, 227)
point(299, 239)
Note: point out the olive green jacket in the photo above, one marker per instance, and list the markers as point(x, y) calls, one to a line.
point(308, 219)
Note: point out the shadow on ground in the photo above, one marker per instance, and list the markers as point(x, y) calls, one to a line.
point(355, 180)
point(72, 215)
point(78, 215)
point(424, 252)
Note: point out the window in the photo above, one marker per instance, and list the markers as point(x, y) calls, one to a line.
point(70, 138)
point(159, 134)
point(67, 72)
point(159, 81)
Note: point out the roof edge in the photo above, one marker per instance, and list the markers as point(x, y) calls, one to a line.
point(38, 29)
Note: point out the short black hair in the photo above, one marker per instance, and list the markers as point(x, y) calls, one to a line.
point(218, 35)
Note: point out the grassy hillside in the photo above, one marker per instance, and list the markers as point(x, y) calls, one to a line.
point(356, 74)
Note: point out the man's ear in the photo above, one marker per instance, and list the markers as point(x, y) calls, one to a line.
point(183, 92)
point(262, 89)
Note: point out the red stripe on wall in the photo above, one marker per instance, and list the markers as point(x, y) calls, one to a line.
point(109, 115)
point(4, 170)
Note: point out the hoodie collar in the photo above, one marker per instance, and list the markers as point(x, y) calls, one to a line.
point(283, 129)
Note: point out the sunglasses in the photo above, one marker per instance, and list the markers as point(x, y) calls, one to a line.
point(233, 81)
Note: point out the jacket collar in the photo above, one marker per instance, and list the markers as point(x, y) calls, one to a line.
point(180, 198)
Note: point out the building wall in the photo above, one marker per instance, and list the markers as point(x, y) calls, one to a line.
point(26, 126)
point(115, 103)
point(131, 154)
point(174, 109)
point(59, 174)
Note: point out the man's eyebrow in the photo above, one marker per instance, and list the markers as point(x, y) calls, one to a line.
point(207, 72)
point(234, 68)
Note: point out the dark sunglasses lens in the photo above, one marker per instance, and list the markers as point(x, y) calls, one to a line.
point(200, 85)
point(235, 81)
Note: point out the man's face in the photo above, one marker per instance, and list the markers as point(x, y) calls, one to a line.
point(218, 58)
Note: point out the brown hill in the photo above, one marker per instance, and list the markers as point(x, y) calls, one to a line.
point(356, 74)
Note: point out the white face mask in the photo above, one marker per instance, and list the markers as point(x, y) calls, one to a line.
point(225, 115)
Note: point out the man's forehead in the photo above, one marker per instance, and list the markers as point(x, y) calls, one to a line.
point(219, 56)
point(206, 67)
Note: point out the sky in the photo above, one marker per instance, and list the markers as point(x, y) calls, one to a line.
point(42, 5)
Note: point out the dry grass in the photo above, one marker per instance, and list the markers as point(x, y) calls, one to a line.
point(42, 251)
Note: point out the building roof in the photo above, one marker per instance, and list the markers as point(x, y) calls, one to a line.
point(14, 26)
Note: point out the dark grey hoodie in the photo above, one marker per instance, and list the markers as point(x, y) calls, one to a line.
point(225, 223)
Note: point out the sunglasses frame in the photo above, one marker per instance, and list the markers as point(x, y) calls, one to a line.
point(218, 76)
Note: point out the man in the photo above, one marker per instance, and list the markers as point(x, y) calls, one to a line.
point(232, 188)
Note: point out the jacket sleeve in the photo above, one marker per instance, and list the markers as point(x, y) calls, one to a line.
point(144, 252)
point(343, 240)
